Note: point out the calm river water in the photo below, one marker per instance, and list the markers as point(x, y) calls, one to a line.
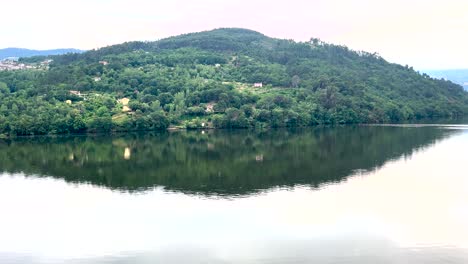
point(353, 194)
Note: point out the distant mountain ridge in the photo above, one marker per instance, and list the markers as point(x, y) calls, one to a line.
point(22, 53)
point(458, 76)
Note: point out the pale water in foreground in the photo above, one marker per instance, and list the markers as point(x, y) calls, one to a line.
point(325, 195)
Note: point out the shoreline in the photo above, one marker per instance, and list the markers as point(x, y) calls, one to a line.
point(449, 122)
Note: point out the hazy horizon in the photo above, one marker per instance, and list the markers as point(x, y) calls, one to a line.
point(422, 34)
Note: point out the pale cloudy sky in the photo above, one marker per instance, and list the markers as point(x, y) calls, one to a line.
point(427, 34)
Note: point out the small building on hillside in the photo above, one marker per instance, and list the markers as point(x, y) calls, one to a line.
point(124, 101)
point(104, 62)
point(258, 85)
point(259, 158)
point(209, 108)
point(46, 62)
point(74, 92)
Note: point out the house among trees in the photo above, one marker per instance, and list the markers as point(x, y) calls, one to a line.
point(124, 101)
point(259, 158)
point(46, 62)
point(77, 93)
point(104, 63)
point(258, 85)
point(210, 108)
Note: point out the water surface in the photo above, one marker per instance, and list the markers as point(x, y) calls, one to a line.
point(354, 194)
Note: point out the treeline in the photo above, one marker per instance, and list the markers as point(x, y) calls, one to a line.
point(206, 80)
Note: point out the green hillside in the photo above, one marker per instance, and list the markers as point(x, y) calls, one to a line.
point(207, 80)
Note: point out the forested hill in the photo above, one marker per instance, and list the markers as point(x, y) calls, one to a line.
point(227, 78)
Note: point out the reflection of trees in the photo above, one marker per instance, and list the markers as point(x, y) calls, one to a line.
point(219, 162)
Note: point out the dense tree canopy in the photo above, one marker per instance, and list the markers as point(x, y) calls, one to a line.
point(207, 79)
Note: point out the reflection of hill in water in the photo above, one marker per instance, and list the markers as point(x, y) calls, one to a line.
point(218, 162)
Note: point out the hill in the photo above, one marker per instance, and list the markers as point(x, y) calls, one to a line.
point(458, 76)
point(225, 78)
point(24, 53)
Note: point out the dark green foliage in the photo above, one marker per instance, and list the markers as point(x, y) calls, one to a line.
point(216, 162)
point(210, 75)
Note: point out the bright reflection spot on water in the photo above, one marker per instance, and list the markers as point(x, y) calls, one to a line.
point(127, 153)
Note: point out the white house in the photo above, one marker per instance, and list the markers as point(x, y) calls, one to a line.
point(258, 84)
point(78, 93)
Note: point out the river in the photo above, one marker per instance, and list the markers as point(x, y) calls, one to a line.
point(350, 194)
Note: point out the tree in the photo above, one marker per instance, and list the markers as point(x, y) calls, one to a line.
point(165, 98)
point(4, 88)
point(296, 80)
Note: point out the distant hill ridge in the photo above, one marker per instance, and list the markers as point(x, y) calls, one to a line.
point(23, 53)
point(459, 76)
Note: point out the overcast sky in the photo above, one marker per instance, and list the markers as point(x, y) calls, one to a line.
point(427, 34)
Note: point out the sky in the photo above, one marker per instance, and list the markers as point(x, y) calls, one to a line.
point(425, 34)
